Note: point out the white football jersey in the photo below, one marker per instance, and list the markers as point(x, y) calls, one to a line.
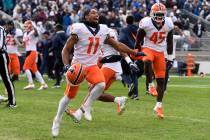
point(109, 50)
point(88, 47)
point(12, 47)
point(155, 39)
point(30, 41)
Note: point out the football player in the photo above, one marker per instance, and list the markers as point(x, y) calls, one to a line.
point(157, 33)
point(30, 39)
point(86, 39)
point(13, 41)
point(112, 71)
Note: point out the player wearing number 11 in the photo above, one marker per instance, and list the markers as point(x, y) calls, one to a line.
point(87, 39)
point(157, 32)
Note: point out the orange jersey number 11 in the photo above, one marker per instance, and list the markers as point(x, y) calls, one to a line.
point(157, 37)
point(93, 44)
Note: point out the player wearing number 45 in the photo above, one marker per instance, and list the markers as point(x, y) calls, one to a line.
point(87, 39)
point(157, 32)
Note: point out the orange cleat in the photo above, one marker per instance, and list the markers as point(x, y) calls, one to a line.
point(153, 91)
point(159, 112)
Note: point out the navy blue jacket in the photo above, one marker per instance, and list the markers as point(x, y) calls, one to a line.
point(127, 35)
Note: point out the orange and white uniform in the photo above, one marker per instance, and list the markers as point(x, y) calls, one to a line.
point(30, 41)
point(155, 43)
point(12, 50)
point(86, 52)
point(111, 71)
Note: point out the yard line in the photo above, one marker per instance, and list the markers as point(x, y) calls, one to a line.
point(189, 119)
point(190, 86)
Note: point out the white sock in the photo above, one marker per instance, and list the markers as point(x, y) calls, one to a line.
point(116, 100)
point(151, 84)
point(62, 106)
point(29, 76)
point(39, 77)
point(94, 94)
point(158, 104)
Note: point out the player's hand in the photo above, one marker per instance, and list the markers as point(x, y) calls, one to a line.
point(133, 67)
point(65, 68)
point(140, 54)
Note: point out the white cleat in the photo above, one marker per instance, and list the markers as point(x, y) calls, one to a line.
point(75, 115)
point(29, 86)
point(3, 99)
point(43, 86)
point(87, 114)
point(55, 127)
point(121, 105)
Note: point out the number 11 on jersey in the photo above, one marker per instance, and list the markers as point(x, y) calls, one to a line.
point(93, 45)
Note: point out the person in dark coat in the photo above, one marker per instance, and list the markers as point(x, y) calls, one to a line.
point(127, 36)
point(58, 42)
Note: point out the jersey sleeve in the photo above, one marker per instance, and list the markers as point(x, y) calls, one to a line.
point(170, 23)
point(143, 23)
point(18, 33)
point(113, 34)
point(75, 29)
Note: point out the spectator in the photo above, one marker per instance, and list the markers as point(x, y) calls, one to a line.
point(198, 29)
point(188, 5)
point(58, 42)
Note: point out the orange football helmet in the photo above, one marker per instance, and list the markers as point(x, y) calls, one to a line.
point(76, 74)
point(28, 25)
point(158, 12)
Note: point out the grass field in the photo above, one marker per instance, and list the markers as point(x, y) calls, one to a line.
point(186, 107)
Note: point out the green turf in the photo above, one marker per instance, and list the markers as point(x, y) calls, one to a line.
point(186, 106)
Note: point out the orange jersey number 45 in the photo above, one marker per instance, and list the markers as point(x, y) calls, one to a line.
point(157, 37)
point(93, 45)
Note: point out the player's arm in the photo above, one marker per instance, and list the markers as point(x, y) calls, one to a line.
point(169, 41)
point(68, 48)
point(120, 46)
point(139, 38)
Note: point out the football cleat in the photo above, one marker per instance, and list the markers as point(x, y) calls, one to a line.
point(121, 105)
point(43, 86)
point(159, 112)
point(29, 86)
point(11, 106)
point(152, 90)
point(87, 114)
point(55, 127)
point(3, 99)
point(75, 115)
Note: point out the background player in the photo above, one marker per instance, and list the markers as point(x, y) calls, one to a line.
point(13, 41)
point(30, 39)
point(86, 39)
point(157, 32)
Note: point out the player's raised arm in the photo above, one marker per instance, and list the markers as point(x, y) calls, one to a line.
point(169, 40)
point(68, 48)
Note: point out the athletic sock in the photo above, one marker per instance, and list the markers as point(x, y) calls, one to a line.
point(96, 91)
point(158, 104)
point(62, 107)
point(39, 77)
point(116, 99)
point(29, 76)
